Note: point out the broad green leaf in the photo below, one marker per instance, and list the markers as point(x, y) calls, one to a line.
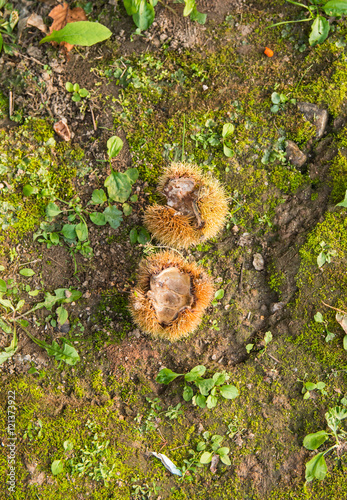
point(69, 232)
point(315, 440)
point(3, 286)
point(267, 337)
point(10, 350)
point(345, 342)
point(217, 439)
point(188, 393)
point(165, 376)
point(219, 294)
point(133, 236)
point(143, 236)
point(29, 190)
point(82, 33)
point(84, 93)
point(321, 259)
point(205, 386)
point(144, 16)
point(7, 304)
point(228, 129)
point(206, 457)
point(99, 197)
point(316, 468)
point(201, 446)
point(52, 210)
point(127, 209)
point(219, 378)
point(118, 186)
point(275, 98)
point(320, 385)
point(229, 153)
point(222, 452)
point(307, 395)
point(82, 231)
point(195, 373)
point(335, 7)
point(20, 304)
point(26, 272)
point(69, 86)
point(57, 467)
point(62, 314)
point(189, 6)
point(98, 218)
point(200, 400)
point(310, 386)
point(67, 353)
point(318, 317)
point(229, 391)
point(54, 238)
point(225, 459)
point(131, 6)
point(114, 146)
point(23, 323)
point(195, 15)
point(132, 174)
point(68, 445)
point(5, 327)
point(249, 347)
point(343, 203)
point(73, 295)
point(211, 401)
point(319, 30)
point(113, 216)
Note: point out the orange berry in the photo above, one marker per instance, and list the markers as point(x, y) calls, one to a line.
point(268, 52)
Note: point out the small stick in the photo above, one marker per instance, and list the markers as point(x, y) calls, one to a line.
point(240, 279)
point(31, 262)
point(33, 59)
point(10, 104)
point(335, 309)
point(92, 113)
point(273, 357)
point(182, 446)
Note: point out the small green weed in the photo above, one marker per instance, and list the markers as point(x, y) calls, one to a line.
point(318, 317)
point(8, 21)
point(151, 419)
point(325, 255)
point(78, 93)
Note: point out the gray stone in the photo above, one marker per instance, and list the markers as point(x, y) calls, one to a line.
point(258, 262)
point(295, 155)
point(315, 115)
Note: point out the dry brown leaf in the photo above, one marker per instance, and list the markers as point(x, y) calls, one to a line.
point(342, 320)
point(62, 15)
point(37, 22)
point(62, 130)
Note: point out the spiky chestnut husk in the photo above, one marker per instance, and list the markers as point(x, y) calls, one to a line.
point(141, 303)
point(172, 228)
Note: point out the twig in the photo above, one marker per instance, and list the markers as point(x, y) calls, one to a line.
point(10, 104)
point(92, 113)
point(181, 446)
point(240, 279)
point(167, 7)
point(335, 308)
point(273, 357)
point(31, 262)
point(33, 59)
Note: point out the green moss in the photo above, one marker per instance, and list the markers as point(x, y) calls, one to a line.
point(338, 175)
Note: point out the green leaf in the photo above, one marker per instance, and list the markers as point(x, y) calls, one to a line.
point(75, 295)
point(3, 286)
point(69, 87)
point(219, 294)
point(316, 468)
point(321, 259)
point(318, 317)
point(310, 386)
point(200, 400)
point(229, 391)
point(211, 401)
point(320, 385)
point(225, 459)
point(82, 231)
point(275, 98)
point(84, 93)
point(205, 385)
point(275, 108)
point(23, 323)
point(165, 376)
point(219, 378)
point(76, 97)
point(76, 87)
point(201, 446)
point(144, 16)
point(7, 304)
point(54, 238)
point(229, 153)
point(319, 30)
point(20, 305)
point(29, 190)
point(62, 315)
point(5, 327)
point(57, 467)
point(343, 203)
point(26, 272)
point(133, 236)
point(82, 33)
point(131, 6)
point(306, 395)
point(267, 337)
point(68, 445)
point(189, 6)
point(188, 393)
point(133, 175)
point(228, 129)
point(99, 197)
point(127, 209)
point(10, 350)
point(206, 457)
point(345, 342)
point(98, 218)
point(114, 146)
point(52, 210)
point(118, 186)
point(134, 197)
point(249, 347)
point(69, 232)
point(1, 41)
point(222, 452)
point(314, 441)
point(195, 373)
point(66, 353)
point(113, 216)
point(143, 236)
point(195, 15)
point(335, 7)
